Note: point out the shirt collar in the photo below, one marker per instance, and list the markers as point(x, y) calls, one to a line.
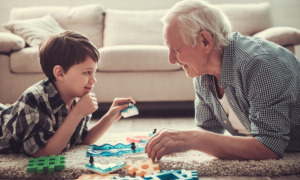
point(55, 100)
point(228, 62)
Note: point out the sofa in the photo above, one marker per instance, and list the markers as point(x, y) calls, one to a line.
point(134, 61)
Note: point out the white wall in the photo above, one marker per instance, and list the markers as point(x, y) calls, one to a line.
point(284, 12)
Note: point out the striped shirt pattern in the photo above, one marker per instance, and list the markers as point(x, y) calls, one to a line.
point(29, 123)
point(262, 83)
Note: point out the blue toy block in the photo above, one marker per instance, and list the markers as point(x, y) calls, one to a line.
point(128, 178)
point(114, 150)
point(43, 164)
point(130, 111)
point(105, 169)
point(174, 174)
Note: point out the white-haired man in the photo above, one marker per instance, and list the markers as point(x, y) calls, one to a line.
point(245, 85)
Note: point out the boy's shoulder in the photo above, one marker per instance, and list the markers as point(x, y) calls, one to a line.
point(38, 93)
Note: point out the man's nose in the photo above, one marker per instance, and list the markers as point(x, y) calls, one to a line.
point(172, 57)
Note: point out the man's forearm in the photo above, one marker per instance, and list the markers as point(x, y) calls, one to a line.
point(230, 147)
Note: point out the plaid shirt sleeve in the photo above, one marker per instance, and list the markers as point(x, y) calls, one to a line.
point(28, 124)
point(31, 130)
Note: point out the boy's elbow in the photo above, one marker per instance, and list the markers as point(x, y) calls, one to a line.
point(45, 152)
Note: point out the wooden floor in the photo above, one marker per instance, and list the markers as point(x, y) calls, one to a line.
point(184, 123)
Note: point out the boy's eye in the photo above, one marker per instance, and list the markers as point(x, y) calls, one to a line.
point(87, 73)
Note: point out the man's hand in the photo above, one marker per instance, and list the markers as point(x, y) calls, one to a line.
point(86, 105)
point(166, 142)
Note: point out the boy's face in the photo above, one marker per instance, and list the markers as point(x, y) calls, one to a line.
point(80, 78)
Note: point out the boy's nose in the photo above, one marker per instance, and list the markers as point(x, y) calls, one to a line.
point(93, 79)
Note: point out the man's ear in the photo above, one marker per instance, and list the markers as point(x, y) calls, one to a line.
point(58, 73)
point(205, 39)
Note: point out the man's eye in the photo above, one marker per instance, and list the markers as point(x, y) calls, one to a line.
point(176, 50)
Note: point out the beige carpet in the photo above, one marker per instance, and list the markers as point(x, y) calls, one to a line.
point(14, 166)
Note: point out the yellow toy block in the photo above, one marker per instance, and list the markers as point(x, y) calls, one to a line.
point(142, 168)
point(97, 176)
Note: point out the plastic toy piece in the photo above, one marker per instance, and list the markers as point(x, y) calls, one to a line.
point(128, 178)
point(140, 168)
point(175, 174)
point(138, 139)
point(42, 164)
point(104, 169)
point(130, 111)
point(114, 150)
point(151, 134)
point(96, 176)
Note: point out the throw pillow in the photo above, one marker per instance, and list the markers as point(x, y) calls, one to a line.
point(281, 35)
point(10, 42)
point(34, 30)
point(86, 19)
point(124, 27)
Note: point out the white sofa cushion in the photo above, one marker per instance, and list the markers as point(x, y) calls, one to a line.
point(87, 19)
point(124, 27)
point(10, 42)
point(135, 58)
point(283, 36)
point(34, 30)
point(25, 61)
point(248, 19)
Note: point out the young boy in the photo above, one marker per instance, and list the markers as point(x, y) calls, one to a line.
point(48, 118)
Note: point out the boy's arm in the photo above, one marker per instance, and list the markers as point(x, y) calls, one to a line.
point(61, 137)
point(85, 106)
point(113, 115)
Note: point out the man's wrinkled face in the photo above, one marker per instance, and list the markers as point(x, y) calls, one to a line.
point(191, 59)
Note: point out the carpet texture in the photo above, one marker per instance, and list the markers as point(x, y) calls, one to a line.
point(14, 166)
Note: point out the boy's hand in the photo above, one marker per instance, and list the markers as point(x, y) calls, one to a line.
point(118, 104)
point(86, 105)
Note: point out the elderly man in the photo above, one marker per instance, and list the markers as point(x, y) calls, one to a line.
point(245, 85)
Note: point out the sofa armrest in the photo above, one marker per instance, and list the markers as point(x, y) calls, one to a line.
point(284, 36)
point(10, 42)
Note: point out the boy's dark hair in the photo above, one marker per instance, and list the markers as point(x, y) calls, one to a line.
point(65, 49)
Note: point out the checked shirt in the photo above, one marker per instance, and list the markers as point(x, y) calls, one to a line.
point(29, 123)
point(262, 84)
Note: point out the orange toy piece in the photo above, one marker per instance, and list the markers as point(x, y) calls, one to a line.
point(137, 138)
point(97, 176)
point(142, 168)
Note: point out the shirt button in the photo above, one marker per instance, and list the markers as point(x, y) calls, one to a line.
point(225, 121)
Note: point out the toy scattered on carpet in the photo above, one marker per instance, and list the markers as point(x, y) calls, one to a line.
point(43, 164)
point(97, 176)
point(165, 175)
point(103, 169)
point(174, 174)
point(140, 139)
point(142, 168)
point(130, 111)
point(114, 150)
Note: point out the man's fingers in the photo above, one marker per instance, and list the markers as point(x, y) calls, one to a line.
point(162, 151)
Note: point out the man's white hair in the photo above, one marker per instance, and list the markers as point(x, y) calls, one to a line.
point(192, 16)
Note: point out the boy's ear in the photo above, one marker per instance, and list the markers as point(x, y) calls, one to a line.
point(58, 73)
point(205, 40)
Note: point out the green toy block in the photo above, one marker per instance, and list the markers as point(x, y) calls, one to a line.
point(46, 164)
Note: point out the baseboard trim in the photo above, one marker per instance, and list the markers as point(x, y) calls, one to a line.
point(155, 109)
